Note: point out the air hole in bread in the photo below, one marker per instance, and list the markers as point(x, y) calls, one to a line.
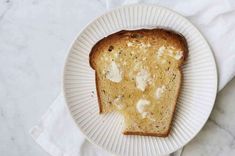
point(110, 48)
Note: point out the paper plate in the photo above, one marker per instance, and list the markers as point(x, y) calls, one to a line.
point(195, 101)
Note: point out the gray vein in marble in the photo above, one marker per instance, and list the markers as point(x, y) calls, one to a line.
point(224, 128)
point(217, 137)
point(9, 5)
point(232, 144)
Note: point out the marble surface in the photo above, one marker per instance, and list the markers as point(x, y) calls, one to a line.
point(34, 38)
point(217, 138)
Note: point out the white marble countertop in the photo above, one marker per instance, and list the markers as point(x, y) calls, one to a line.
point(34, 38)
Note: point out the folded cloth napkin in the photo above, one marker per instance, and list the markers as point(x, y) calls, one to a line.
point(57, 134)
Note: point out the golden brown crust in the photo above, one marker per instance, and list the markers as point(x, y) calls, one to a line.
point(98, 93)
point(146, 134)
point(175, 36)
point(178, 91)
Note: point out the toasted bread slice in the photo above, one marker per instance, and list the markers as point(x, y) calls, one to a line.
point(138, 74)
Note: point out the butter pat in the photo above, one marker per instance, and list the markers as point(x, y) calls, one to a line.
point(141, 106)
point(113, 73)
point(175, 54)
point(160, 91)
point(160, 51)
point(145, 114)
point(170, 51)
point(142, 79)
point(130, 44)
point(143, 45)
point(178, 55)
point(117, 102)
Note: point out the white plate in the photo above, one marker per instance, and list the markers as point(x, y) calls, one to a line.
point(196, 98)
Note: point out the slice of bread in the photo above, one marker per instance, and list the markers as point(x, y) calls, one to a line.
point(138, 74)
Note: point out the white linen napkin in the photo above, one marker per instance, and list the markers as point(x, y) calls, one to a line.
point(57, 133)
